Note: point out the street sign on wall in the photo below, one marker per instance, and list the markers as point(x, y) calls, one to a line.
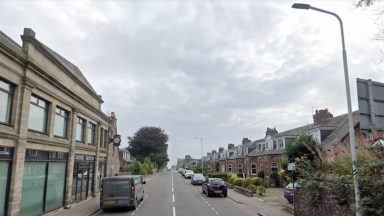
point(371, 105)
point(291, 166)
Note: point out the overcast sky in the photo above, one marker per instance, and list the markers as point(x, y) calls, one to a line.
point(221, 70)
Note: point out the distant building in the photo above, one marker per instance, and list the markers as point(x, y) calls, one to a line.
point(125, 158)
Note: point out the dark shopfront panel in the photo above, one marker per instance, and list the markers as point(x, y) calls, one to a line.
point(82, 184)
point(5, 173)
point(43, 182)
point(102, 169)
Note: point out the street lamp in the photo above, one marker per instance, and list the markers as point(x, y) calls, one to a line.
point(202, 154)
point(350, 115)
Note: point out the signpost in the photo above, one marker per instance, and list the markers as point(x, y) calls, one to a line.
point(292, 167)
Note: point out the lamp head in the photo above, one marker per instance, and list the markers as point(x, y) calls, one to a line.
point(301, 6)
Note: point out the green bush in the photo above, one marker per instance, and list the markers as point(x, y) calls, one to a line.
point(239, 182)
point(261, 190)
point(260, 174)
point(223, 176)
point(252, 188)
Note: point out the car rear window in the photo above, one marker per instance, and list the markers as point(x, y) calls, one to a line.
point(216, 181)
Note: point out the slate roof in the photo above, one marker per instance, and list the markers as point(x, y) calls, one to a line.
point(267, 152)
point(341, 130)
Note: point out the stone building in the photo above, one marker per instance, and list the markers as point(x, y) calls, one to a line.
point(54, 137)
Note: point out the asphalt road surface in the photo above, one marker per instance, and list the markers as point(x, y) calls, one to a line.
point(169, 194)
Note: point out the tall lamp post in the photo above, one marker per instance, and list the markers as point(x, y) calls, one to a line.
point(202, 154)
point(350, 115)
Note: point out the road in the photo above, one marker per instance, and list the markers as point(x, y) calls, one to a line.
point(169, 194)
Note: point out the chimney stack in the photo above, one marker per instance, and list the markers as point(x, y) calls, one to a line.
point(231, 146)
point(271, 131)
point(245, 141)
point(321, 116)
point(221, 150)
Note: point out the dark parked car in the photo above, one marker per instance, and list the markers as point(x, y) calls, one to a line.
point(288, 191)
point(121, 191)
point(214, 186)
point(197, 179)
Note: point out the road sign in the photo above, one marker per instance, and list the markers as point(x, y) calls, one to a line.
point(371, 105)
point(291, 166)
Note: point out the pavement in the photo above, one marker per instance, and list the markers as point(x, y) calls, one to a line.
point(169, 194)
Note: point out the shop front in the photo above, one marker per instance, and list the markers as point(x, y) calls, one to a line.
point(5, 173)
point(43, 182)
point(102, 169)
point(82, 184)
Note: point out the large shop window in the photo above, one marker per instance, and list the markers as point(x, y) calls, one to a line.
point(38, 115)
point(80, 124)
point(5, 171)
point(43, 182)
point(61, 122)
point(91, 133)
point(6, 98)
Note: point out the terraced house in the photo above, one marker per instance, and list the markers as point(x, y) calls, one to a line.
point(54, 137)
point(264, 156)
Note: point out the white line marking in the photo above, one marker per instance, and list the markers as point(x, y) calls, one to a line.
point(217, 213)
point(173, 197)
point(174, 211)
point(172, 190)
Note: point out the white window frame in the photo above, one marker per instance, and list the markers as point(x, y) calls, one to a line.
point(245, 150)
point(229, 167)
point(253, 173)
point(240, 166)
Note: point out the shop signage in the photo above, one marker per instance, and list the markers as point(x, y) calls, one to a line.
point(81, 157)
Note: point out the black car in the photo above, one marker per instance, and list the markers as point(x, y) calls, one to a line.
point(197, 179)
point(214, 186)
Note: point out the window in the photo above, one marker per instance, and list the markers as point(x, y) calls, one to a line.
point(253, 169)
point(61, 122)
point(33, 152)
point(4, 150)
point(274, 144)
point(274, 167)
point(229, 167)
point(240, 168)
point(91, 133)
point(245, 151)
point(80, 123)
point(263, 146)
point(101, 142)
point(38, 113)
point(6, 98)
point(106, 139)
point(281, 142)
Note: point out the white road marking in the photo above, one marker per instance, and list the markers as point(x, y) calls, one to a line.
point(217, 213)
point(174, 211)
point(173, 198)
point(172, 190)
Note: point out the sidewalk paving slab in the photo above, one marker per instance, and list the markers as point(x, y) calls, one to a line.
point(84, 208)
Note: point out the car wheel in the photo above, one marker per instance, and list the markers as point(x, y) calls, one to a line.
point(225, 195)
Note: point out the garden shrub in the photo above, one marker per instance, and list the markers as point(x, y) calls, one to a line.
point(252, 188)
point(261, 190)
point(221, 175)
point(239, 182)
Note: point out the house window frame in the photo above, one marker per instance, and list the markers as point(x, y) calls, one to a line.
point(253, 169)
point(240, 167)
point(274, 165)
point(245, 150)
point(11, 94)
point(46, 112)
point(229, 167)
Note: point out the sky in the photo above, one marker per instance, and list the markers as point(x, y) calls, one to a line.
point(220, 70)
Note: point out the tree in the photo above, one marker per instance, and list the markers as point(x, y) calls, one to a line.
point(150, 142)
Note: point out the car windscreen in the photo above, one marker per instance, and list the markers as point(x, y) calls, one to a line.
point(196, 176)
point(216, 181)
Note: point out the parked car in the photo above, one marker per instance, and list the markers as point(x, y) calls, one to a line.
point(197, 179)
point(181, 170)
point(214, 186)
point(188, 174)
point(121, 191)
point(288, 191)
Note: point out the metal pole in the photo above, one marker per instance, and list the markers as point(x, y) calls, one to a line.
point(202, 156)
point(352, 139)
